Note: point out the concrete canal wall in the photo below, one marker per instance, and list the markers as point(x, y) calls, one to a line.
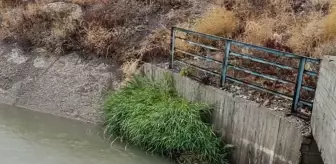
point(261, 136)
point(324, 114)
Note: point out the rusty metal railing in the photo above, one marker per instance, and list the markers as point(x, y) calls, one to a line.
point(226, 65)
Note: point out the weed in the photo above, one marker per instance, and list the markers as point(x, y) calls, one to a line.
point(186, 71)
point(129, 69)
point(153, 117)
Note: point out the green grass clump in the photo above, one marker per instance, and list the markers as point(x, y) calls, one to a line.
point(153, 117)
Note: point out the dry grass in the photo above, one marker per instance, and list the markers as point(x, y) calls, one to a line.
point(330, 24)
point(98, 39)
point(258, 31)
point(328, 48)
point(88, 2)
point(314, 34)
point(217, 21)
point(120, 29)
point(40, 25)
point(9, 3)
point(129, 69)
point(107, 27)
point(125, 28)
point(306, 35)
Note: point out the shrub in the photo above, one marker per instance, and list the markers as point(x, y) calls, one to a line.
point(42, 25)
point(9, 3)
point(258, 31)
point(217, 21)
point(307, 34)
point(330, 24)
point(100, 40)
point(153, 117)
point(328, 48)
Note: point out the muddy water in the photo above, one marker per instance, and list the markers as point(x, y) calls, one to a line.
point(28, 137)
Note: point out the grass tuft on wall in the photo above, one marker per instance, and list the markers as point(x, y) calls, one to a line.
point(153, 117)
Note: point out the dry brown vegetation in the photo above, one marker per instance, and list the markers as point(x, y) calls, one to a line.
point(129, 29)
point(123, 29)
point(139, 30)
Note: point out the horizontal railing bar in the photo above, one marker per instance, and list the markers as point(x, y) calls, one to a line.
point(259, 88)
point(260, 60)
point(304, 102)
point(274, 51)
point(269, 77)
point(202, 69)
point(201, 34)
point(260, 75)
point(199, 44)
point(312, 60)
point(200, 56)
point(270, 50)
point(310, 73)
point(308, 88)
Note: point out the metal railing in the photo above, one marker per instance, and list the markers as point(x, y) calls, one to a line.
point(228, 52)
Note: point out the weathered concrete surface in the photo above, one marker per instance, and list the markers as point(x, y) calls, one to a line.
point(324, 112)
point(261, 136)
point(62, 85)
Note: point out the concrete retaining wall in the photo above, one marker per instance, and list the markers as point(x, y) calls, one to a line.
point(324, 112)
point(261, 136)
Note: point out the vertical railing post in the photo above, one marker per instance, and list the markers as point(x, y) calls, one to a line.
point(172, 47)
point(225, 61)
point(298, 85)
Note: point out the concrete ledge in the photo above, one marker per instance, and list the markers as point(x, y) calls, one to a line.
point(261, 136)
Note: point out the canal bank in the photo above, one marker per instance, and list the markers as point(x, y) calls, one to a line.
point(68, 86)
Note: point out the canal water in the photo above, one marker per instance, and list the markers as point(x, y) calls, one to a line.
point(28, 137)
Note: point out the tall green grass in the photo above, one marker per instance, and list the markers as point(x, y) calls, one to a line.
point(153, 117)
